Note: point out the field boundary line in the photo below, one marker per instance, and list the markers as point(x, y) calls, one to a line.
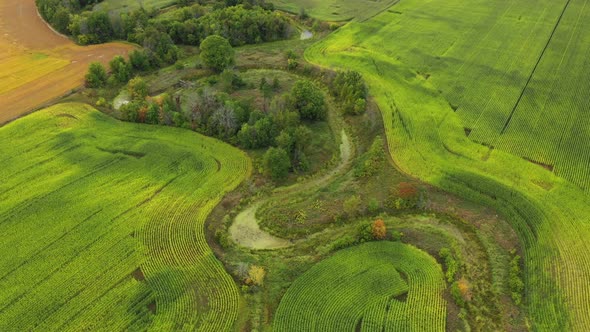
point(535, 68)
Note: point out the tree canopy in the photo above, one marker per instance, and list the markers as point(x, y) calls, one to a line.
point(308, 100)
point(276, 163)
point(96, 76)
point(217, 53)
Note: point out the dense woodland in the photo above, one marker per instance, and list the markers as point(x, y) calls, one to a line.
point(188, 23)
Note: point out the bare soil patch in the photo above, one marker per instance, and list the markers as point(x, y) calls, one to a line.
point(23, 32)
point(138, 274)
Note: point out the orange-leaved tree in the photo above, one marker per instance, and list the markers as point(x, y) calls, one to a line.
point(379, 229)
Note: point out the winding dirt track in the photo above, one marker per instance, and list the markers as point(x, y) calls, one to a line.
point(24, 38)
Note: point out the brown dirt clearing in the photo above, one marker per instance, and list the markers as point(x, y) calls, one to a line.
point(24, 36)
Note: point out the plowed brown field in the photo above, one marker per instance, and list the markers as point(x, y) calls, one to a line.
point(38, 65)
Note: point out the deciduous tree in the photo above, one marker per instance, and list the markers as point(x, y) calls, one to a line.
point(308, 100)
point(379, 230)
point(216, 53)
point(276, 163)
point(256, 275)
point(96, 76)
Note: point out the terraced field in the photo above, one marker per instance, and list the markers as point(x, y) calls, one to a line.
point(417, 61)
point(102, 225)
point(379, 286)
point(36, 64)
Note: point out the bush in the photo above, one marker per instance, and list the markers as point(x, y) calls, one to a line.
point(292, 64)
point(352, 205)
point(372, 160)
point(515, 280)
point(365, 232)
point(450, 264)
point(406, 196)
point(343, 242)
point(137, 88)
point(256, 274)
point(456, 294)
point(374, 206)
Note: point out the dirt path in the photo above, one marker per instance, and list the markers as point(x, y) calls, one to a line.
point(25, 41)
point(245, 229)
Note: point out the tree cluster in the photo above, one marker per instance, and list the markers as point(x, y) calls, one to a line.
point(121, 70)
point(349, 88)
point(216, 114)
point(248, 23)
point(238, 24)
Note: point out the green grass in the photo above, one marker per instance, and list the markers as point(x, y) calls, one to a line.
point(426, 136)
point(372, 287)
point(130, 5)
point(90, 206)
point(335, 10)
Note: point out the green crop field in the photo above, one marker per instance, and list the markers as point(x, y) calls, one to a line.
point(380, 286)
point(335, 10)
point(102, 225)
point(432, 66)
point(516, 73)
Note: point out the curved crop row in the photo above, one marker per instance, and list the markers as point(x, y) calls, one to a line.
point(371, 287)
point(427, 139)
point(103, 225)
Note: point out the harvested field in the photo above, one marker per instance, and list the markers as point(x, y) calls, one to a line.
point(38, 65)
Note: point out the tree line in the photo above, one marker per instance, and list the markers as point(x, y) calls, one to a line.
point(241, 22)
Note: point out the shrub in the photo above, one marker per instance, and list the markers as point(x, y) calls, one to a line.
point(343, 242)
point(450, 263)
point(292, 64)
point(515, 280)
point(352, 205)
point(372, 160)
point(365, 232)
point(374, 206)
point(137, 88)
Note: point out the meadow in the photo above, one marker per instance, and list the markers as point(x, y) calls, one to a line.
point(335, 10)
point(408, 53)
point(103, 224)
point(130, 5)
point(379, 286)
point(38, 65)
